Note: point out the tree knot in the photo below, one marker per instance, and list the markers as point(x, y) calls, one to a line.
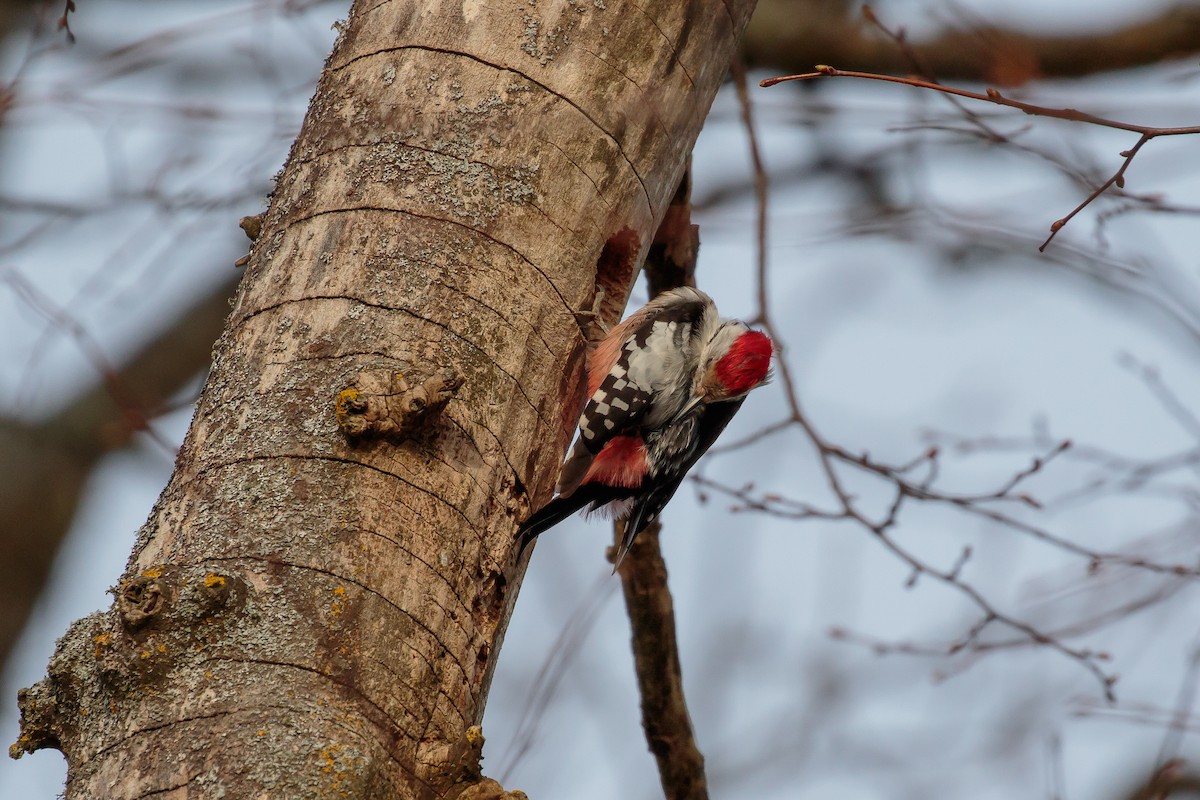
point(140, 599)
point(385, 405)
point(464, 768)
point(252, 226)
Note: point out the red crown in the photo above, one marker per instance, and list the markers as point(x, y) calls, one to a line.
point(746, 364)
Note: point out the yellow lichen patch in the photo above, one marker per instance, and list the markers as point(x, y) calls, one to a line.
point(261, 732)
point(346, 400)
point(83, 711)
point(328, 755)
point(153, 573)
point(335, 608)
point(212, 579)
point(102, 641)
point(334, 763)
point(474, 734)
point(20, 747)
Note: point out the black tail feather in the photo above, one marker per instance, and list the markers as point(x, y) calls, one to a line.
point(642, 516)
point(560, 508)
point(633, 526)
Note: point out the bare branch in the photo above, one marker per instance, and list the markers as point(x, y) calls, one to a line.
point(665, 717)
point(1147, 132)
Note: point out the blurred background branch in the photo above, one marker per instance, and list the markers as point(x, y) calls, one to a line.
point(794, 35)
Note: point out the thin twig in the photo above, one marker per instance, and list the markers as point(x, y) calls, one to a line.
point(567, 646)
point(1146, 132)
point(991, 96)
point(64, 21)
point(738, 70)
point(133, 413)
point(1169, 751)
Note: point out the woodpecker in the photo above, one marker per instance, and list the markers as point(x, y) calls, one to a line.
point(662, 386)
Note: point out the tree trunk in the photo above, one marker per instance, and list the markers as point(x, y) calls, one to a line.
point(315, 605)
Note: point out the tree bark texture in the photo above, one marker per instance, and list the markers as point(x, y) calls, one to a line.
point(315, 605)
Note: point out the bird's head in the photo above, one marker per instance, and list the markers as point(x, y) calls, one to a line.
point(737, 360)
